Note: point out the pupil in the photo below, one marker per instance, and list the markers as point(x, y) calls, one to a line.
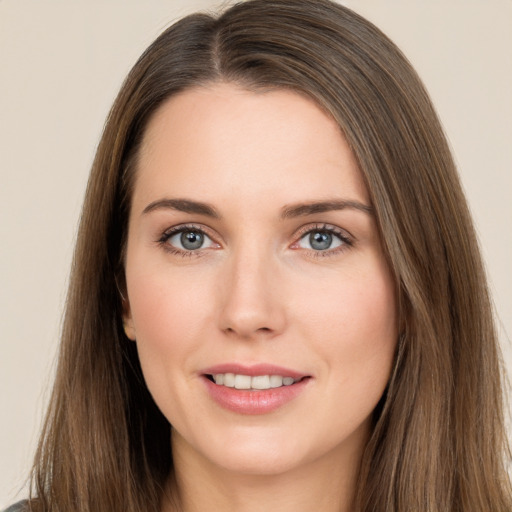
point(320, 240)
point(191, 240)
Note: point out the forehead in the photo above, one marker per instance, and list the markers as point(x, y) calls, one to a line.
point(223, 140)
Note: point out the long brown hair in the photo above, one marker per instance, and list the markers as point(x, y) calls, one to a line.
point(438, 441)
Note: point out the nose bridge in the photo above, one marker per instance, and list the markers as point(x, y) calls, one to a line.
point(252, 303)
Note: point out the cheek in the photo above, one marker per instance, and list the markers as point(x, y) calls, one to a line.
point(356, 326)
point(166, 309)
point(164, 301)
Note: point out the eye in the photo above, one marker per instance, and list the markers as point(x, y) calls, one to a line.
point(322, 239)
point(319, 241)
point(188, 239)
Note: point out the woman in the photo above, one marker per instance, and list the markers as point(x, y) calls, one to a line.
point(276, 258)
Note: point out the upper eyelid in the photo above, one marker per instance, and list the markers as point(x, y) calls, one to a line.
point(297, 235)
point(304, 230)
point(187, 227)
point(166, 235)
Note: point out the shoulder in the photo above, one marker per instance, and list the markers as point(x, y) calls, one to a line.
point(21, 506)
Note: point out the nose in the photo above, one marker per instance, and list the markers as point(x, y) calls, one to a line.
point(251, 304)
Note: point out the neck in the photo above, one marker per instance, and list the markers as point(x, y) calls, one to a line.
point(326, 484)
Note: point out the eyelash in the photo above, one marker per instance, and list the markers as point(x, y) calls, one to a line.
point(166, 235)
point(346, 240)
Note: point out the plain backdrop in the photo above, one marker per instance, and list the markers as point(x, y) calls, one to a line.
point(61, 65)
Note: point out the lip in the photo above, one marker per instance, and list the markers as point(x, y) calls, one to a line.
point(254, 402)
point(253, 370)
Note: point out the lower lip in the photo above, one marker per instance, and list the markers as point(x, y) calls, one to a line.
point(254, 402)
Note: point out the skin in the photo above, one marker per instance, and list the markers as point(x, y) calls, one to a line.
point(257, 291)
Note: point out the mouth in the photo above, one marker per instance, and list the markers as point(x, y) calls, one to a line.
point(256, 389)
point(252, 382)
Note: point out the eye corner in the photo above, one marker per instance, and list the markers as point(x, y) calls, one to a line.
point(172, 240)
point(332, 241)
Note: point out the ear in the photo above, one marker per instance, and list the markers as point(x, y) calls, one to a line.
point(129, 328)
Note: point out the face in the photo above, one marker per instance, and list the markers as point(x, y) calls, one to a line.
point(258, 294)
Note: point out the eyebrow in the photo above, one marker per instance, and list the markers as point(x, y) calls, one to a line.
point(183, 205)
point(292, 211)
point(302, 210)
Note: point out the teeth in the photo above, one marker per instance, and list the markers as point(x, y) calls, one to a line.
point(229, 380)
point(238, 381)
point(242, 382)
point(260, 382)
point(276, 381)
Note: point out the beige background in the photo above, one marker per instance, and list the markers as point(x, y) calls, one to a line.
point(61, 64)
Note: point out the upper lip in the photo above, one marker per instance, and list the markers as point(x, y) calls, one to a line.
point(253, 370)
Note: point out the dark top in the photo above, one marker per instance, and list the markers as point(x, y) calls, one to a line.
point(17, 507)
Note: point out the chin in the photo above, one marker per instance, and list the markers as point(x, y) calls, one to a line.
point(266, 462)
point(247, 451)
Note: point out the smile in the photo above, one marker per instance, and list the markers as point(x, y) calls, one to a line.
point(254, 389)
point(252, 383)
